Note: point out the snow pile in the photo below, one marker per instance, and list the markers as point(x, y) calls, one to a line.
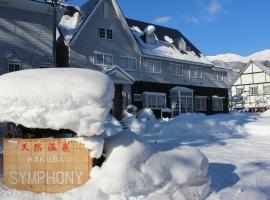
point(143, 122)
point(133, 168)
point(75, 99)
point(94, 143)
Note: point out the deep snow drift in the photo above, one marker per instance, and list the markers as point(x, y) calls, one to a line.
point(237, 146)
point(57, 98)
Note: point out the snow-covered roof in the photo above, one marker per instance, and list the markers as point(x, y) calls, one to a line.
point(181, 89)
point(262, 67)
point(166, 50)
point(57, 98)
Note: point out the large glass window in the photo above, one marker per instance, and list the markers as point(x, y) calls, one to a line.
point(217, 104)
point(128, 63)
point(103, 59)
point(153, 66)
point(200, 103)
point(154, 100)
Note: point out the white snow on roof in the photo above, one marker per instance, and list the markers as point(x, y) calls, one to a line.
point(166, 50)
point(66, 98)
point(69, 25)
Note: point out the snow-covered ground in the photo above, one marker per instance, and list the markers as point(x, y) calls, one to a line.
point(237, 146)
point(163, 161)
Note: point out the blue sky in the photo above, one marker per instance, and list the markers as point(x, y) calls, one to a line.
point(214, 26)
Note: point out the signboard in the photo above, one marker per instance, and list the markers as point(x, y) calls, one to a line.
point(45, 165)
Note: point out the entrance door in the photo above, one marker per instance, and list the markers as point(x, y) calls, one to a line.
point(118, 102)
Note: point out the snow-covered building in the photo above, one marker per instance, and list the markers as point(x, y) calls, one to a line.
point(250, 89)
point(26, 35)
point(148, 63)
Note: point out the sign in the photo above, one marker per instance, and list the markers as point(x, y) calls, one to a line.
point(45, 165)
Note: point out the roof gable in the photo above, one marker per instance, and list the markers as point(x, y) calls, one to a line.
point(120, 76)
point(120, 16)
point(244, 68)
point(13, 57)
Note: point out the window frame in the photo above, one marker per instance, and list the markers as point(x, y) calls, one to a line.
point(176, 67)
point(99, 33)
point(218, 107)
point(153, 66)
point(198, 74)
point(251, 90)
point(107, 34)
point(129, 58)
point(150, 100)
point(14, 63)
point(103, 55)
point(202, 107)
point(266, 91)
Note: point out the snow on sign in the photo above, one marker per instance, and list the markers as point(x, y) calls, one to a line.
point(45, 165)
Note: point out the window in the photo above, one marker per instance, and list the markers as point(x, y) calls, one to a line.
point(220, 76)
point(175, 69)
point(109, 34)
point(253, 90)
point(153, 66)
point(239, 91)
point(266, 89)
point(103, 59)
point(137, 97)
point(102, 33)
point(12, 67)
point(217, 103)
point(105, 33)
point(200, 103)
point(195, 72)
point(154, 100)
point(128, 63)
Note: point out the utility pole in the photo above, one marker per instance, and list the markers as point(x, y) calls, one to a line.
point(54, 5)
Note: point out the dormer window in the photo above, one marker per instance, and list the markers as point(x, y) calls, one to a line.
point(105, 33)
point(13, 67)
point(14, 62)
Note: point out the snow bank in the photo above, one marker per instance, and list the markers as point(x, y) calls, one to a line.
point(75, 99)
point(260, 126)
point(134, 168)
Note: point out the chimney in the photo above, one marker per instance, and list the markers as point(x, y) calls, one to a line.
point(149, 36)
